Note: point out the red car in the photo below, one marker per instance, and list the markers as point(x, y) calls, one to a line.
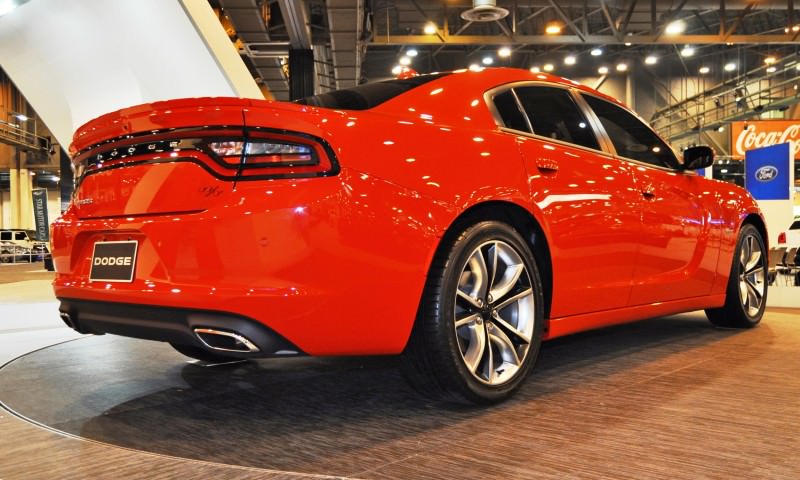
point(457, 218)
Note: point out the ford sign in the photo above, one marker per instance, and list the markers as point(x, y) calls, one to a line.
point(767, 173)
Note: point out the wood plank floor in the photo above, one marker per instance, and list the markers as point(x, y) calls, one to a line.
point(669, 398)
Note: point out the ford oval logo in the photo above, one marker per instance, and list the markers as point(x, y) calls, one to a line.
point(766, 173)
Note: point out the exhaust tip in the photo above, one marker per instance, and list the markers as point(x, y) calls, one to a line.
point(225, 341)
point(67, 319)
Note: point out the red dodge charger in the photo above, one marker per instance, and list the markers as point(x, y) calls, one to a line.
point(458, 219)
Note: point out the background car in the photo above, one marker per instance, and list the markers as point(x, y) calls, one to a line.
point(458, 219)
point(11, 252)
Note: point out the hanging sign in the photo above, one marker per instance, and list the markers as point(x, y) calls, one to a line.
point(40, 214)
point(763, 133)
point(767, 172)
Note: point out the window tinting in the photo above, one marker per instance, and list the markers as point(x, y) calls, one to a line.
point(5, 235)
point(20, 236)
point(554, 114)
point(368, 95)
point(632, 138)
point(508, 109)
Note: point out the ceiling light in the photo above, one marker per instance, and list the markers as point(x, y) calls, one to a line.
point(405, 61)
point(771, 69)
point(687, 51)
point(397, 70)
point(552, 28)
point(770, 60)
point(602, 70)
point(569, 60)
point(628, 44)
point(535, 69)
point(676, 27)
point(21, 117)
point(412, 52)
point(548, 67)
point(504, 52)
point(730, 66)
point(596, 52)
point(487, 60)
point(621, 67)
point(721, 128)
point(475, 67)
point(704, 70)
point(796, 28)
point(651, 60)
point(430, 28)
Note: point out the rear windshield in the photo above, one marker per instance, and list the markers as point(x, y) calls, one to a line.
point(368, 95)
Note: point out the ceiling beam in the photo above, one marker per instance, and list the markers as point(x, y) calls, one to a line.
point(574, 39)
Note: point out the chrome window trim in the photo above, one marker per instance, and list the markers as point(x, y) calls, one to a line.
point(489, 99)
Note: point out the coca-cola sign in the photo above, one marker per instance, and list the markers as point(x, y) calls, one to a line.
point(763, 133)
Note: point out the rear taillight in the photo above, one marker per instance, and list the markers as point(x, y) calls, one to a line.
point(264, 153)
point(782, 237)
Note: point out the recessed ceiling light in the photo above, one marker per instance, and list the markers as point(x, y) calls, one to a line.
point(535, 69)
point(796, 28)
point(771, 69)
point(430, 28)
point(397, 69)
point(548, 67)
point(475, 67)
point(721, 128)
point(569, 60)
point(687, 51)
point(412, 52)
point(730, 66)
point(621, 67)
point(676, 27)
point(596, 52)
point(770, 60)
point(504, 52)
point(628, 44)
point(405, 61)
point(704, 70)
point(552, 28)
point(602, 70)
point(651, 60)
point(487, 60)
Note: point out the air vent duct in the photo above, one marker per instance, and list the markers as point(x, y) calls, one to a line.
point(484, 11)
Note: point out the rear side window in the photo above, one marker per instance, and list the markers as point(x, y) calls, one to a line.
point(631, 137)
point(5, 235)
point(509, 111)
point(369, 95)
point(554, 114)
point(20, 236)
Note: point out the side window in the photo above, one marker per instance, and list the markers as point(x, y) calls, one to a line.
point(632, 138)
point(5, 235)
point(554, 114)
point(20, 236)
point(508, 109)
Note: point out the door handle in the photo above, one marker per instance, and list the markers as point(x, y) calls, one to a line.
point(546, 164)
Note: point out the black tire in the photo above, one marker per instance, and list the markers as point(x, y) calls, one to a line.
point(203, 355)
point(435, 361)
point(751, 274)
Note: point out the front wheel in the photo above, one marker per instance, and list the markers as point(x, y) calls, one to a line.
point(746, 295)
point(479, 326)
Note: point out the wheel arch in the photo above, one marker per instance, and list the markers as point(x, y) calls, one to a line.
point(757, 221)
point(521, 220)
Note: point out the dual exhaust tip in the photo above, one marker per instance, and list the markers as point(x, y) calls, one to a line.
point(225, 341)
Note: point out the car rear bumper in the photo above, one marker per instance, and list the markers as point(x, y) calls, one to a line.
point(218, 332)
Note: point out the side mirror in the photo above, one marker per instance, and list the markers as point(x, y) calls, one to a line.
point(694, 158)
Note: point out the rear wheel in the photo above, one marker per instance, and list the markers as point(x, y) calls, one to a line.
point(479, 326)
point(203, 355)
point(746, 295)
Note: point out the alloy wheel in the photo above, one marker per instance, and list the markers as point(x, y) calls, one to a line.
point(494, 312)
point(752, 275)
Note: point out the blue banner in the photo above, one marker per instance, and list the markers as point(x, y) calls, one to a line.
point(40, 214)
point(767, 172)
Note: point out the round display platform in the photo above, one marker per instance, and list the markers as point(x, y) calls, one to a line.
point(595, 401)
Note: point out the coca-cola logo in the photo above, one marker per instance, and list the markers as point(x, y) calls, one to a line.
point(751, 137)
point(767, 173)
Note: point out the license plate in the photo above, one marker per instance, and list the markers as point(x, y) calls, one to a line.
point(113, 261)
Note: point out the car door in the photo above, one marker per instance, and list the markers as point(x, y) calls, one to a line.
point(678, 248)
point(585, 195)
